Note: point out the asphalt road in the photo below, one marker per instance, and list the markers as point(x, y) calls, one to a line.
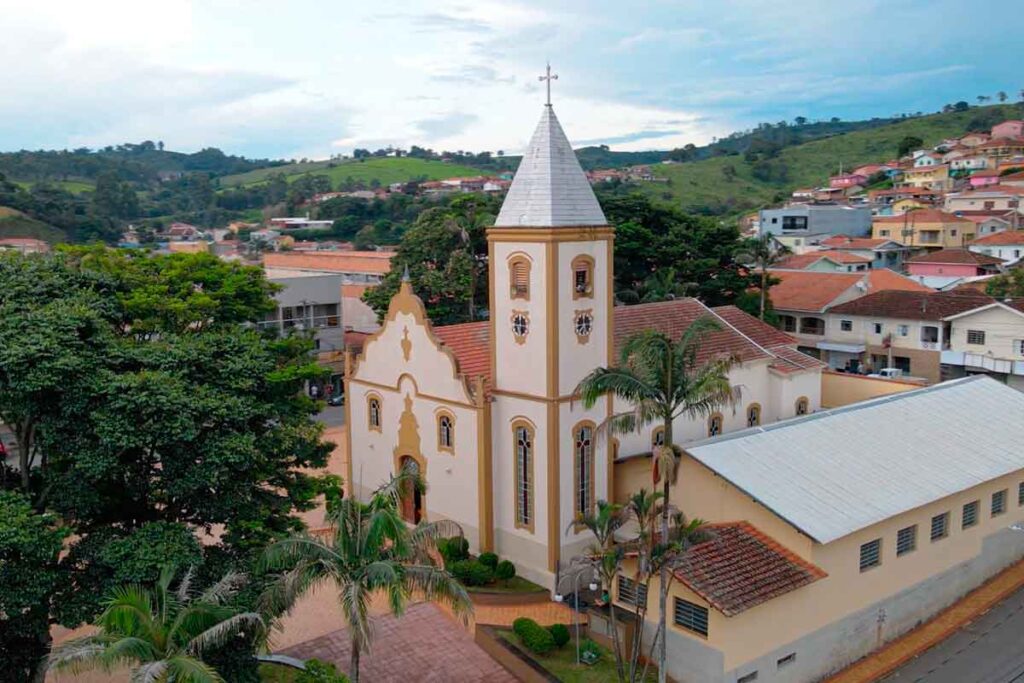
point(989, 650)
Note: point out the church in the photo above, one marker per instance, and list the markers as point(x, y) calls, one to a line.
point(485, 411)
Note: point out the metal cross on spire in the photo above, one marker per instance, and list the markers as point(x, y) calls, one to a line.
point(548, 76)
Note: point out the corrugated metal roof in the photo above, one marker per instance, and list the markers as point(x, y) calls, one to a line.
point(838, 471)
point(549, 189)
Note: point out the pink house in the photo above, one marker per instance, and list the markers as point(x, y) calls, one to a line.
point(1008, 129)
point(847, 180)
point(953, 263)
point(984, 177)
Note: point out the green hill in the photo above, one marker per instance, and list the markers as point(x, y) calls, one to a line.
point(386, 170)
point(16, 224)
point(731, 184)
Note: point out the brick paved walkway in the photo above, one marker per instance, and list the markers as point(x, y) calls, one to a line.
point(423, 646)
point(903, 649)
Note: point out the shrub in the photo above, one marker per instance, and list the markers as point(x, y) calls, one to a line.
point(505, 570)
point(536, 638)
point(488, 559)
point(471, 572)
point(559, 633)
point(590, 652)
point(320, 672)
point(454, 549)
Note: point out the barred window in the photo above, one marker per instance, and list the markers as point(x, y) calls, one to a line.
point(976, 337)
point(524, 475)
point(871, 554)
point(906, 540)
point(691, 617)
point(998, 502)
point(970, 515)
point(940, 526)
point(631, 592)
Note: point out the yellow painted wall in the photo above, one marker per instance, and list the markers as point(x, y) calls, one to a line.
point(840, 389)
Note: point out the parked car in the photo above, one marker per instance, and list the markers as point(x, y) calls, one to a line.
point(336, 399)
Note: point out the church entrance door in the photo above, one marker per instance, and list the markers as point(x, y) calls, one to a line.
point(412, 500)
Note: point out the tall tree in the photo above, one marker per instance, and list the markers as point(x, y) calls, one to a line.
point(160, 634)
point(369, 549)
point(761, 253)
point(660, 380)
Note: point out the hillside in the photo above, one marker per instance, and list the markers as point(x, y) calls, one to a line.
point(731, 184)
point(16, 224)
point(385, 170)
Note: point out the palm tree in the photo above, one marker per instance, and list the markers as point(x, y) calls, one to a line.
point(662, 380)
point(369, 549)
point(762, 253)
point(161, 634)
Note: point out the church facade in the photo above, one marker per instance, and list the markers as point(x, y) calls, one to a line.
point(486, 410)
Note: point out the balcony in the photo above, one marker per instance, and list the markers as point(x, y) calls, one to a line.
point(815, 326)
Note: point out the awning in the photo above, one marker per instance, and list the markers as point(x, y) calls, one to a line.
point(845, 348)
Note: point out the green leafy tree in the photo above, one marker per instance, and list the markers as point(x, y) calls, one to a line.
point(1009, 284)
point(662, 380)
point(29, 545)
point(370, 549)
point(161, 634)
point(908, 144)
point(761, 253)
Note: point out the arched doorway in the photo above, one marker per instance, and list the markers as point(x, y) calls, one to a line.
point(412, 499)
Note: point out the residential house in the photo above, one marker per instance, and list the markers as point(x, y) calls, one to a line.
point(1013, 179)
point(837, 532)
point(987, 340)
point(181, 232)
point(826, 261)
point(931, 177)
point(890, 196)
point(883, 253)
point(984, 178)
point(300, 223)
point(848, 180)
point(806, 193)
point(811, 219)
point(24, 245)
point(953, 263)
point(974, 139)
point(991, 222)
point(930, 228)
point(969, 163)
point(894, 328)
point(1007, 245)
point(196, 247)
point(359, 270)
point(868, 170)
point(992, 198)
point(1013, 128)
point(1002, 148)
point(927, 159)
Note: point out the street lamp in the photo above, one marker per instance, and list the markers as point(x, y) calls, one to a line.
point(576, 612)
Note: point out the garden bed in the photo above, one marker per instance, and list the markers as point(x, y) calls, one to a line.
point(560, 664)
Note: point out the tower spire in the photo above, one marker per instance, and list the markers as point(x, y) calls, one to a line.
point(548, 76)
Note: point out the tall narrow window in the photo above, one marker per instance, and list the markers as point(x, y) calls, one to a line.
point(582, 277)
point(373, 413)
point(715, 424)
point(519, 277)
point(445, 432)
point(523, 435)
point(754, 415)
point(802, 406)
point(583, 468)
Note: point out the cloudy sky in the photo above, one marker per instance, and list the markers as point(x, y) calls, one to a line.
point(307, 78)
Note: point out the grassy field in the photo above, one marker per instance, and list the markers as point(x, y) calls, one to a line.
point(72, 186)
point(16, 224)
point(704, 183)
point(385, 170)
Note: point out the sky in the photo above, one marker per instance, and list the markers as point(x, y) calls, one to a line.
point(312, 79)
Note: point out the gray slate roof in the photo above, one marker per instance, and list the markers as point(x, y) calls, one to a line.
point(838, 471)
point(549, 189)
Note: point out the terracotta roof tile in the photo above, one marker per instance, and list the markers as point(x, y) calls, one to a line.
point(801, 261)
point(957, 256)
point(741, 567)
point(778, 343)
point(803, 290)
point(844, 242)
point(914, 305)
point(1004, 237)
point(921, 216)
point(470, 342)
point(881, 279)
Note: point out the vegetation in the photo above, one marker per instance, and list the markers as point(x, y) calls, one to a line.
point(761, 253)
point(559, 633)
point(536, 638)
point(162, 634)
point(561, 662)
point(661, 380)
point(379, 172)
point(144, 408)
point(369, 549)
point(1009, 284)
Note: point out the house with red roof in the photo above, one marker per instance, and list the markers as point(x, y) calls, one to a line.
point(1007, 245)
point(826, 261)
point(953, 263)
point(1013, 128)
point(883, 253)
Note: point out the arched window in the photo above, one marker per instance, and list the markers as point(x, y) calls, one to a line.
point(519, 277)
point(803, 405)
point(445, 432)
point(582, 277)
point(658, 437)
point(373, 419)
point(715, 424)
point(583, 469)
point(754, 415)
point(522, 434)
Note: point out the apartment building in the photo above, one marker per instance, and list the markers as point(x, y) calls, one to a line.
point(926, 228)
